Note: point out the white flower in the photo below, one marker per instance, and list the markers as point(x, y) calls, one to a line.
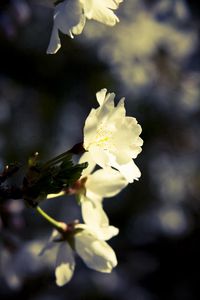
point(70, 17)
point(112, 138)
point(96, 254)
point(98, 185)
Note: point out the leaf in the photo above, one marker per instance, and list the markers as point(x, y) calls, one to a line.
point(42, 180)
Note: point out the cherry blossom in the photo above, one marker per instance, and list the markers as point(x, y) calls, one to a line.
point(112, 138)
point(70, 18)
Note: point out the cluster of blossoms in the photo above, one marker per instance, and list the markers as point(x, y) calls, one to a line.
point(70, 18)
point(111, 142)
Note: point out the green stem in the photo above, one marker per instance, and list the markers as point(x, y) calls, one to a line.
point(60, 226)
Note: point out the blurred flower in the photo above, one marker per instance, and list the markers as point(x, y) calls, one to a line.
point(151, 47)
point(164, 219)
point(173, 220)
point(22, 264)
point(111, 138)
point(172, 176)
point(96, 186)
point(70, 17)
point(96, 254)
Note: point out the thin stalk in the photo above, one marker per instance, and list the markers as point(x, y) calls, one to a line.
point(60, 226)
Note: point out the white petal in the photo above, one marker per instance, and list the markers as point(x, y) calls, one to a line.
point(96, 219)
point(68, 18)
point(93, 213)
point(67, 15)
point(96, 254)
point(99, 156)
point(90, 129)
point(119, 112)
point(54, 44)
point(106, 182)
point(113, 4)
point(106, 233)
point(127, 139)
point(79, 27)
point(106, 109)
point(65, 264)
point(101, 96)
point(99, 10)
point(86, 157)
point(130, 171)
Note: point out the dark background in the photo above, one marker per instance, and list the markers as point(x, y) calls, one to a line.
point(152, 58)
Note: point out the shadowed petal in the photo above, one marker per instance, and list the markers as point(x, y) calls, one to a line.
point(65, 264)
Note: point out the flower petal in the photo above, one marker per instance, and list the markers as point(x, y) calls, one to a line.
point(86, 157)
point(65, 264)
point(129, 170)
point(100, 156)
point(67, 15)
point(101, 233)
point(106, 182)
point(54, 44)
point(96, 254)
point(79, 27)
point(100, 11)
point(69, 19)
point(106, 233)
point(90, 128)
point(93, 213)
point(101, 95)
point(96, 219)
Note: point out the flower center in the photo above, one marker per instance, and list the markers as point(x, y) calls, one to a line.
point(103, 138)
